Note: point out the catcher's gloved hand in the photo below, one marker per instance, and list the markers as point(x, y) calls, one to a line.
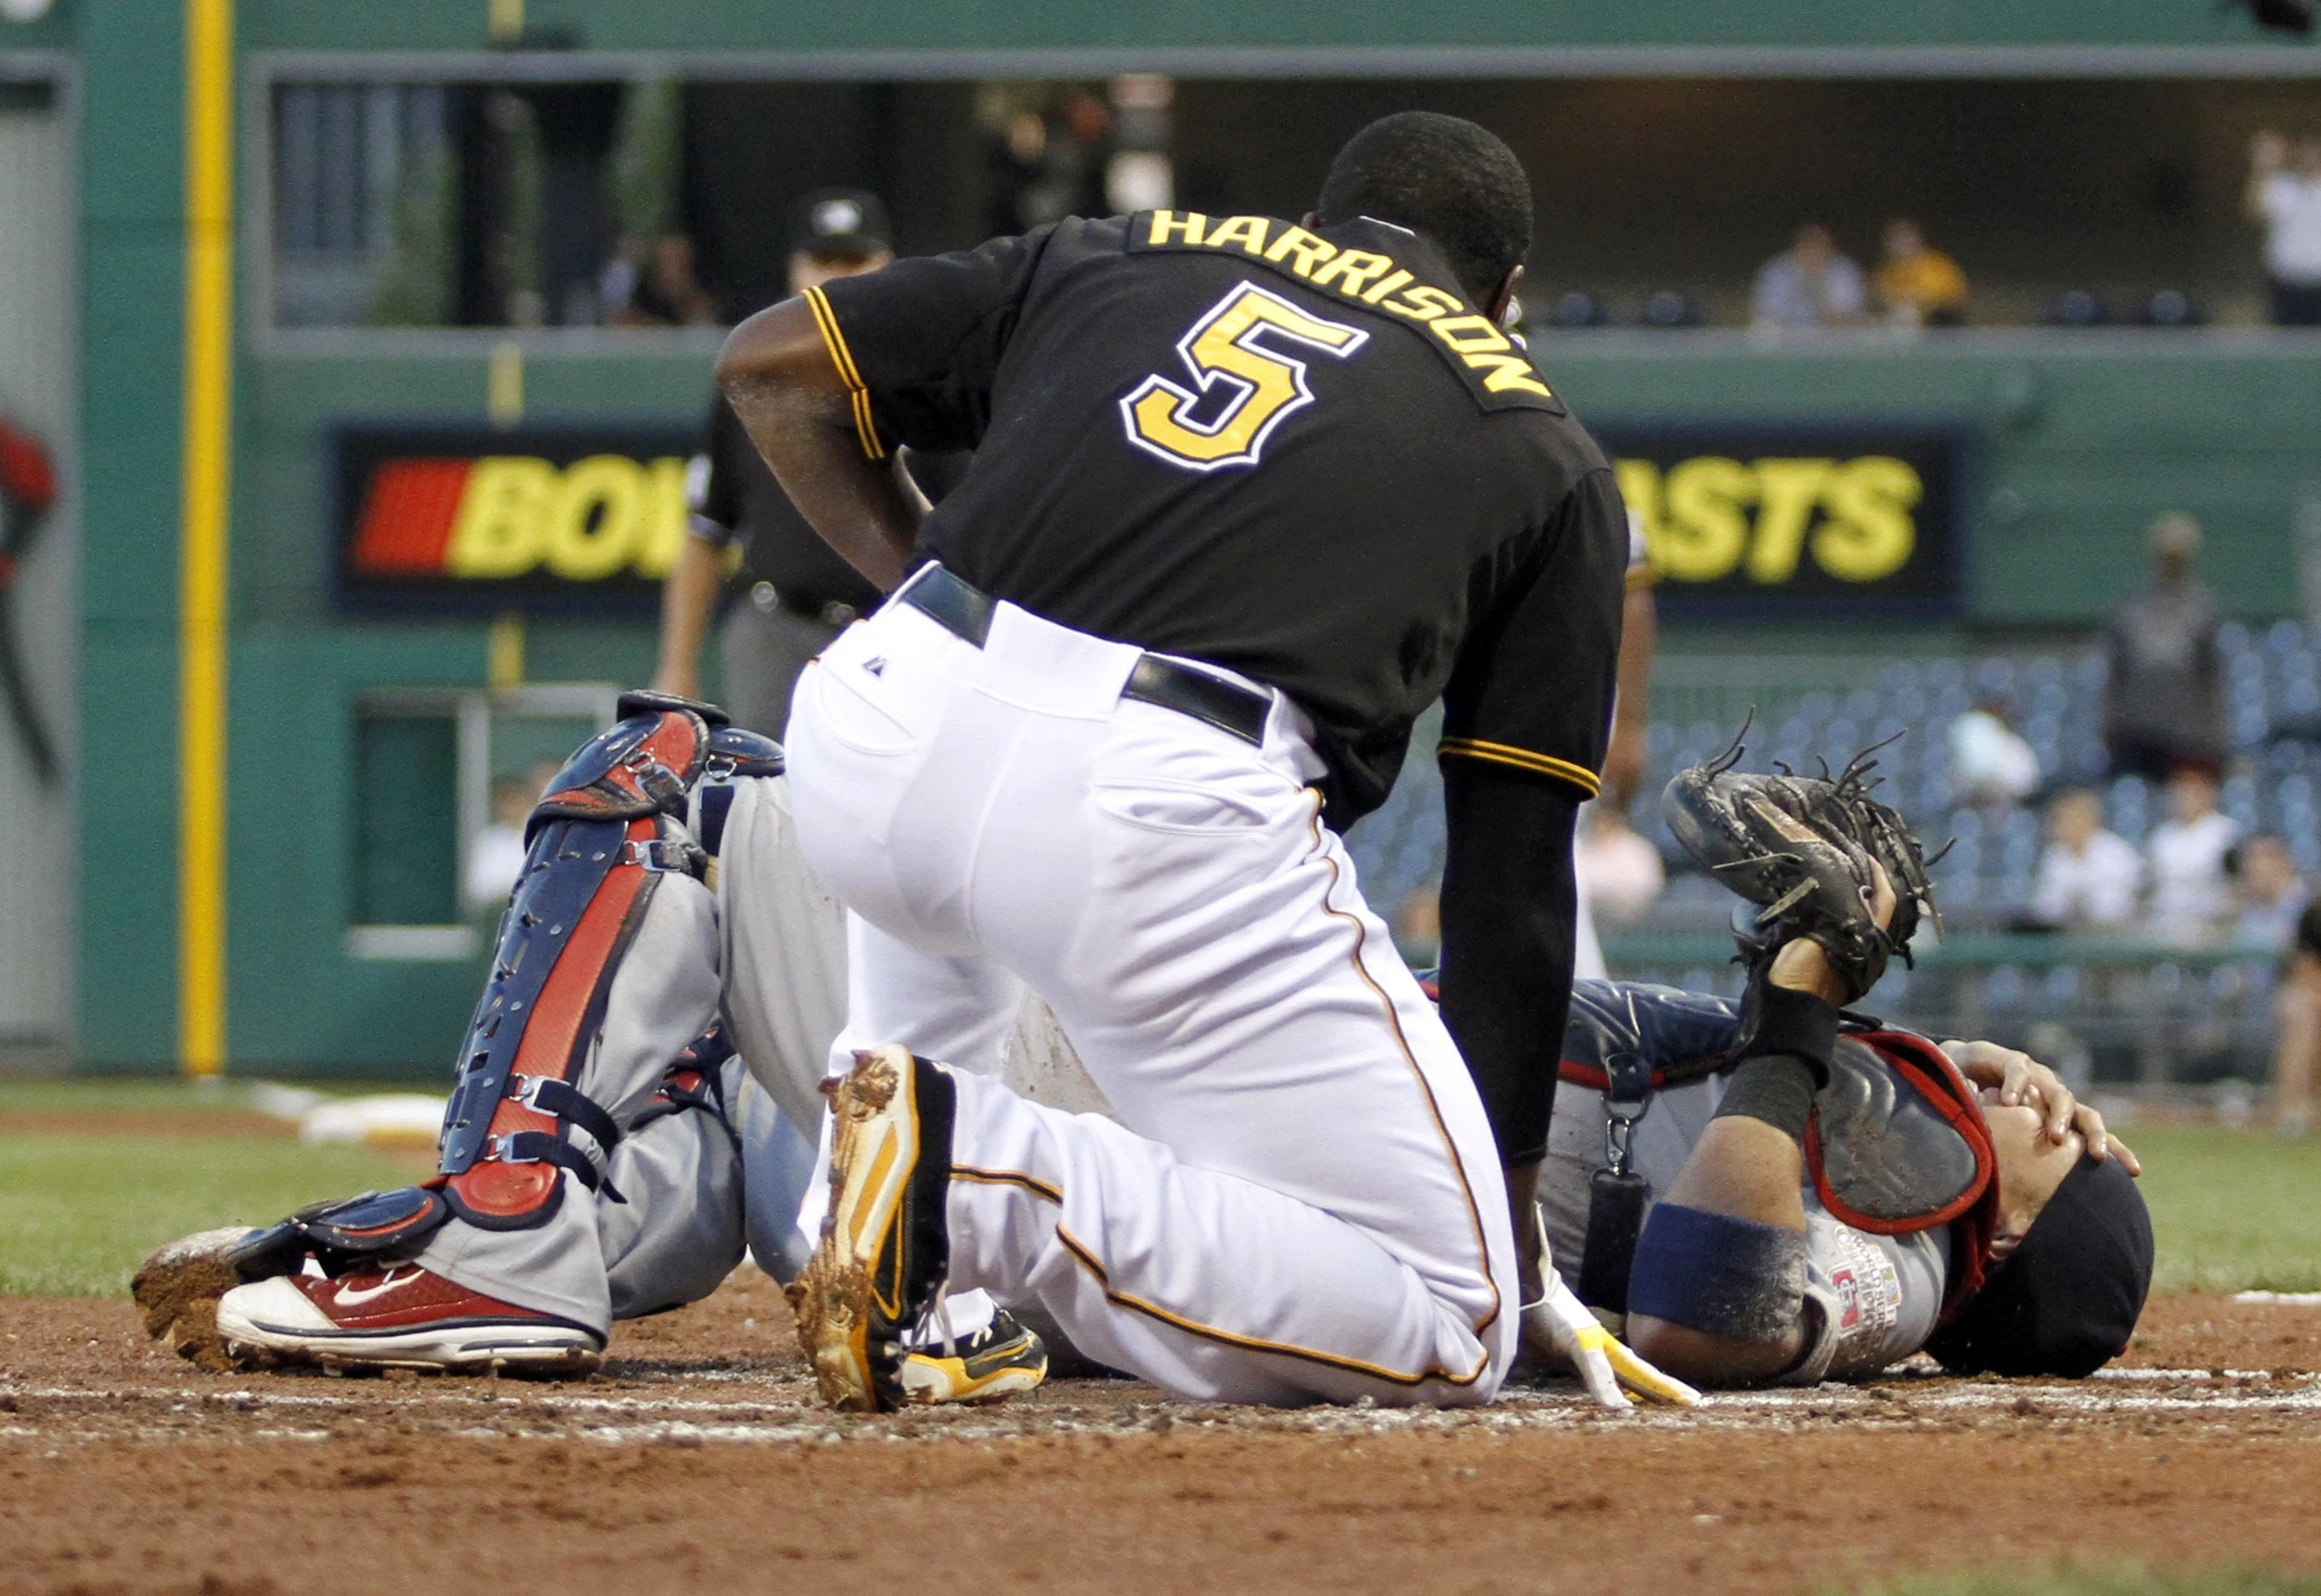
point(1802, 848)
point(1558, 1329)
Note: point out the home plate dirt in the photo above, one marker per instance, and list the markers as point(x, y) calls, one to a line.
point(697, 1458)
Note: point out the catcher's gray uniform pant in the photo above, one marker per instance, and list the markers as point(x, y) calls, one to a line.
point(764, 943)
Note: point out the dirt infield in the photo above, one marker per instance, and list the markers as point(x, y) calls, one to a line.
point(695, 1460)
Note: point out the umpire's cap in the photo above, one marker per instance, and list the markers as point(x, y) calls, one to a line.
point(2068, 1298)
point(840, 222)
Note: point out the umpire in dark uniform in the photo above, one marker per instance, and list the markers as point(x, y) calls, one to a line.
point(793, 593)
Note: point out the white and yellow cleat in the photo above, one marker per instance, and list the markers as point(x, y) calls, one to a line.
point(886, 1250)
point(1002, 1359)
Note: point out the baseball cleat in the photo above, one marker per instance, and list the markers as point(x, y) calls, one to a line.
point(400, 1316)
point(999, 1360)
point(885, 1249)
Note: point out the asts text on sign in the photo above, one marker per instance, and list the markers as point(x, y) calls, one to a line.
point(1709, 516)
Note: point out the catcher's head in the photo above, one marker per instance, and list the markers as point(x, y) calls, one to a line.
point(2074, 1261)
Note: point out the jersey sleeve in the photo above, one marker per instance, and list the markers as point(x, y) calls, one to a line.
point(1532, 691)
point(918, 343)
point(1873, 1300)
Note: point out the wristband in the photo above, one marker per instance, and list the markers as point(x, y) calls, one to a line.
point(1779, 1020)
point(1774, 1087)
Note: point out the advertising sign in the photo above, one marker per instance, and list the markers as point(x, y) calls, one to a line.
point(1761, 522)
point(484, 520)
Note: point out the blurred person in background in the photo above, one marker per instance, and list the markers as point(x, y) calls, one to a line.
point(2164, 699)
point(796, 591)
point(1991, 763)
point(2284, 194)
point(1917, 284)
point(1624, 757)
point(2190, 895)
point(1419, 925)
point(1620, 874)
point(2267, 891)
point(495, 855)
point(2297, 1013)
point(1809, 284)
point(662, 292)
point(2089, 878)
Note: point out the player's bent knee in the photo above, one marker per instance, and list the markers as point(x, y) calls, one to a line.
point(1724, 1276)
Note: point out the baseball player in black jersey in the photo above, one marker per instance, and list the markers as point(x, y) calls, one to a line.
point(1247, 496)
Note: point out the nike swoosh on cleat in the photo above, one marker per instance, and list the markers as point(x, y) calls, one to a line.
point(388, 1282)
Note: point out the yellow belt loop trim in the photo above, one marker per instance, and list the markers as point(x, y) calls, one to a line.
point(826, 320)
point(205, 479)
point(1579, 776)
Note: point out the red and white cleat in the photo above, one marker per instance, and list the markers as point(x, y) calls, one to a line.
point(402, 1316)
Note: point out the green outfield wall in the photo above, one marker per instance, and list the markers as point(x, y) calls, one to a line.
point(2075, 440)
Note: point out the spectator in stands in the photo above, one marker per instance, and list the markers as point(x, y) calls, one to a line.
point(663, 292)
point(2284, 194)
point(2190, 895)
point(2268, 891)
point(2164, 702)
point(1991, 763)
point(1419, 925)
point(495, 854)
point(2089, 877)
point(1809, 284)
point(1619, 872)
point(2297, 1011)
point(1918, 285)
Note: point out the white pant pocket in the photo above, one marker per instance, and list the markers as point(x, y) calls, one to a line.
point(851, 713)
point(1181, 808)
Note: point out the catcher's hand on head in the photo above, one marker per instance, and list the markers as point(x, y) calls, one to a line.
point(1820, 858)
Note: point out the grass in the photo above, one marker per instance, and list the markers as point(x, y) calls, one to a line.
point(2126, 1581)
point(79, 1211)
point(2231, 1209)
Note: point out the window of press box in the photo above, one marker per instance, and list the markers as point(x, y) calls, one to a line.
point(443, 780)
point(631, 203)
point(635, 203)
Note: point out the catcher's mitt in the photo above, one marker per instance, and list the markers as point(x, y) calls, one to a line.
point(1800, 849)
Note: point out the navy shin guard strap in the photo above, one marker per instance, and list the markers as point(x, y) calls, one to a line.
point(1718, 1274)
point(563, 1100)
point(541, 1147)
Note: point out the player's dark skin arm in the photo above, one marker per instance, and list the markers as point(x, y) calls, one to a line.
point(777, 373)
point(1509, 900)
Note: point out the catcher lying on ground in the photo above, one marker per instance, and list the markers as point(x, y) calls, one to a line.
point(1773, 1191)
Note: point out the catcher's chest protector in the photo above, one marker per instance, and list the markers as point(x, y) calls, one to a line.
point(1897, 1142)
point(603, 841)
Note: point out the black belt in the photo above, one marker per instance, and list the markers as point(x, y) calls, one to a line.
point(965, 611)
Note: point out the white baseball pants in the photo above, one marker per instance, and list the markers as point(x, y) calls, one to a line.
point(1301, 1200)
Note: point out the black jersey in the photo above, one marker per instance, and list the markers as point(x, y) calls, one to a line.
point(1303, 457)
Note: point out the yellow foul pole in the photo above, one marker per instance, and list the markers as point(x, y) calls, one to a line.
point(207, 477)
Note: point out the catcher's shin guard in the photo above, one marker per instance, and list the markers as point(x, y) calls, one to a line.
point(604, 840)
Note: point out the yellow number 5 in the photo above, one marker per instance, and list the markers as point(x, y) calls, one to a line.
point(1260, 385)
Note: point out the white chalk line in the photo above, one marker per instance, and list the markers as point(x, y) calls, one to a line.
point(656, 1419)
